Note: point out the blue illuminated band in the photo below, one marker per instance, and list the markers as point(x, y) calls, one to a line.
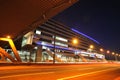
point(85, 35)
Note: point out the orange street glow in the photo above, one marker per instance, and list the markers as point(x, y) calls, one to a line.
point(75, 41)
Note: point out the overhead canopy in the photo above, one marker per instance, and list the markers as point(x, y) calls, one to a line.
point(20, 16)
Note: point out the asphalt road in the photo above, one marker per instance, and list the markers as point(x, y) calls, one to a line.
point(61, 72)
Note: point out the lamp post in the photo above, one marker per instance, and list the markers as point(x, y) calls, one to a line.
point(116, 57)
point(119, 57)
point(91, 46)
point(113, 53)
point(108, 53)
point(75, 42)
point(54, 49)
point(101, 50)
point(54, 42)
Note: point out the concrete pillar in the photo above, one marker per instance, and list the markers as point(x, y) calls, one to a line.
point(39, 54)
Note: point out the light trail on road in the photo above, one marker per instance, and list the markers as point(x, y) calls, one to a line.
point(28, 74)
point(61, 72)
point(83, 74)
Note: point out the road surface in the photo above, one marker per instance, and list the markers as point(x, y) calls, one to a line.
point(61, 72)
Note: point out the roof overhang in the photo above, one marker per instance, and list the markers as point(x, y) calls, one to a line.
point(20, 16)
point(17, 17)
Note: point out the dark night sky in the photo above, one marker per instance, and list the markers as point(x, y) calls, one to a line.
point(99, 19)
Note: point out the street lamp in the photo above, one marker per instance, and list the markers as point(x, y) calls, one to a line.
point(119, 57)
point(101, 50)
point(116, 54)
point(113, 53)
point(108, 51)
point(75, 41)
point(91, 46)
point(108, 54)
point(8, 36)
point(116, 57)
point(54, 49)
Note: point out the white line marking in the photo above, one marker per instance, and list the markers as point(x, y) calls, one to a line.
point(36, 73)
point(26, 74)
point(83, 74)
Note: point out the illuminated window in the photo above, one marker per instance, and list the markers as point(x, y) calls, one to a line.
point(99, 55)
point(38, 32)
point(24, 41)
point(61, 39)
point(35, 47)
point(60, 44)
point(43, 47)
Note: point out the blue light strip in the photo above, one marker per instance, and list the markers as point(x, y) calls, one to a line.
point(63, 48)
point(85, 35)
point(48, 45)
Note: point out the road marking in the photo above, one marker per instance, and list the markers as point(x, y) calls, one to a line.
point(36, 73)
point(83, 74)
point(26, 74)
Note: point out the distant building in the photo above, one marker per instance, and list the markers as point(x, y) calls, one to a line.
point(52, 37)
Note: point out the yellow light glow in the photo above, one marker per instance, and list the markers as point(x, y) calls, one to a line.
point(91, 46)
point(113, 53)
point(101, 50)
point(8, 37)
point(75, 41)
point(108, 51)
point(116, 54)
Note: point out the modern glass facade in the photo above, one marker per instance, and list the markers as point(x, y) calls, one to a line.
point(52, 38)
